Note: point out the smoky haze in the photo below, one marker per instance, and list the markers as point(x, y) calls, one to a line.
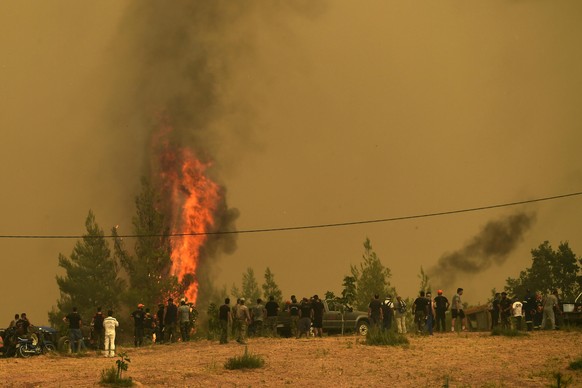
point(176, 68)
point(491, 246)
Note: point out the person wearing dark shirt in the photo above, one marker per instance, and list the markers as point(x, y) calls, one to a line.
point(420, 310)
point(272, 308)
point(138, 331)
point(375, 311)
point(160, 323)
point(495, 309)
point(98, 329)
point(305, 314)
point(224, 319)
point(505, 310)
point(529, 306)
point(75, 336)
point(170, 319)
point(318, 309)
point(148, 326)
point(441, 304)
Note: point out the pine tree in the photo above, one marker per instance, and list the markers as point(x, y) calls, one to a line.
point(91, 277)
point(371, 278)
point(349, 291)
point(424, 281)
point(250, 287)
point(149, 268)
point(270, 288)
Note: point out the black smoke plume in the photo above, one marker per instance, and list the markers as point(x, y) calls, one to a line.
point(491, 246)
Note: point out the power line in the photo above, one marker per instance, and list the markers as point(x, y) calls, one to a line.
point(304, 227)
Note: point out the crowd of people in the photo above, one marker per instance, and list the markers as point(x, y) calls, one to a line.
point(172, 321)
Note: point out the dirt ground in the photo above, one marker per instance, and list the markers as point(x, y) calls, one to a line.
point(459, 359)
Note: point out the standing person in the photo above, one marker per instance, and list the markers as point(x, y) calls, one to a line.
point(387, 313)
point(75, 323)
point(529, 308)
point(160, 323)
point(148, 326)
point(430, 313)
point(224, 319)
point(558, 311)
point(375, 311)
point(98, 330)
point(184, 315)
point(138, 331)
point(305, 316)
point(272, 308)
point(170, 319)
point(505, 310)
point(318, 309)
point(495, 310)
point(244, 318)
point(457, 310)
point(400, 314)
point(294, 315)
point(539, 307)
point(258, 314)
point(420, 310)
point(550, 303)
point(109, 325)
point(517, 312)
point(235, 323)
point(441, 304)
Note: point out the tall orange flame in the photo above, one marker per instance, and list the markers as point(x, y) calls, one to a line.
point(194, 199)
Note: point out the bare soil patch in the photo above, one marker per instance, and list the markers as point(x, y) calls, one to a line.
point(462, 359)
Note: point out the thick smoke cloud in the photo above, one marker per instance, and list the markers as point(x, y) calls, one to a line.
point(177, 64)
point(491, 246)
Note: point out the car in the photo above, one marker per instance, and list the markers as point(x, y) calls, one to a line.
point(337, 318)
point(572, 311)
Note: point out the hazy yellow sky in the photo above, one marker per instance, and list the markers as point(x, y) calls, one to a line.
point(333, 112)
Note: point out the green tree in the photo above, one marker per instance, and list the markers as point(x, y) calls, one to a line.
point(371, 278)
point(235, 291)
point(550, 269)
point(149, 268)
point(270, 288)
point(349, 291)
point(424, 281)
point(250, 287)
point(91, 277)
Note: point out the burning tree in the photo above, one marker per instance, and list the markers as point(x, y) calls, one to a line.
point(182, 223)
point(149, 269)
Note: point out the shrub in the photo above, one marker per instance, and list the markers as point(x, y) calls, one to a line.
point(246, 361)
point(109, 377)
point(379, 337)
point(576, 364)
point(112, 376)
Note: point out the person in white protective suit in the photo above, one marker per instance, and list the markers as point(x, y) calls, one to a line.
point(109, 325)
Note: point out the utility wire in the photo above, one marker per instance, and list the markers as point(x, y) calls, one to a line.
point(304, 227)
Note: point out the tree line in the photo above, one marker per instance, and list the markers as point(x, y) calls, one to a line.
point(111, 276)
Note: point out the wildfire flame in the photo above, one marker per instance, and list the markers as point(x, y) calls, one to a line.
point(193, 198)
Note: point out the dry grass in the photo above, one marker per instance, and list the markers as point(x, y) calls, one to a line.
point(459, 360)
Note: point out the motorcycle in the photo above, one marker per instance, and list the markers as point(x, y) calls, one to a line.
point(39, 342)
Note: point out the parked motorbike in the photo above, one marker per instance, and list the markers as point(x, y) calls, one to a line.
point(38, 342)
